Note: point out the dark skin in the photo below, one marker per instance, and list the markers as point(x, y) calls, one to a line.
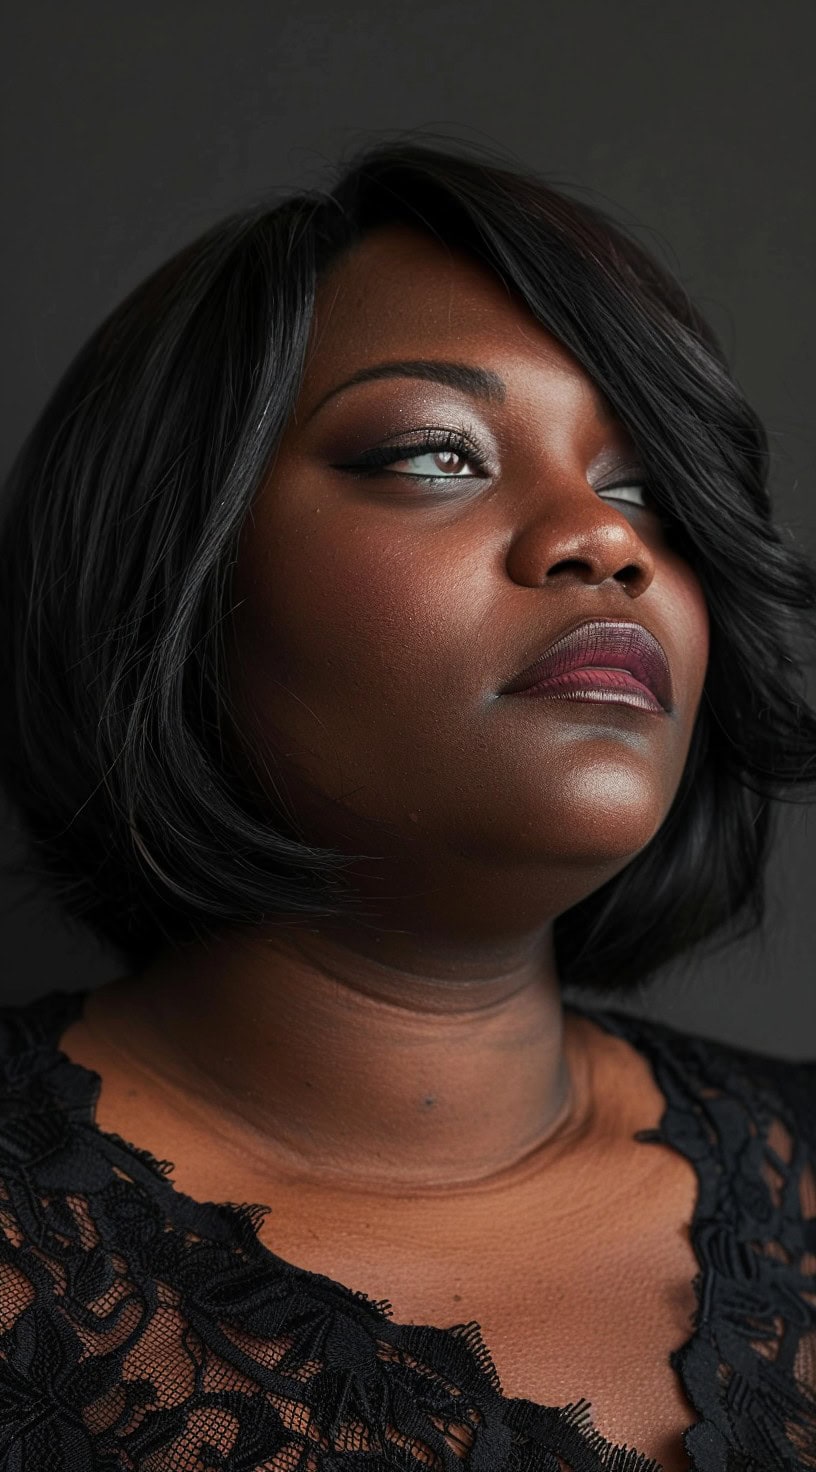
point(431, 1125)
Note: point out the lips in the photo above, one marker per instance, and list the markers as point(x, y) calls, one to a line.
point(608, 644)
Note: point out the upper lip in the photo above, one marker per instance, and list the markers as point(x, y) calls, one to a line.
point(617, 644)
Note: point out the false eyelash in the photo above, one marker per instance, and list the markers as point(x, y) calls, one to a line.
point(460, 443)
point(430, 440)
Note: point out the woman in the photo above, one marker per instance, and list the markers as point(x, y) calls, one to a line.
point(398, 633)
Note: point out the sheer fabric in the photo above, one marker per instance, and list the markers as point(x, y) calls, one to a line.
point(140, 1329)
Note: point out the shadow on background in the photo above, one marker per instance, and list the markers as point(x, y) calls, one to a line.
point(128, 130)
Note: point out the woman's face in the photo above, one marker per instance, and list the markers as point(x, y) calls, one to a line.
point(384, 606)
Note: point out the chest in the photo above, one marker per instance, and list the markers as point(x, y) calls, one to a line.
point(580, 1279)
point(567, 1306)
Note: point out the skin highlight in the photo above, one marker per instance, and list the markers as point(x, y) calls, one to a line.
point(423, 1063)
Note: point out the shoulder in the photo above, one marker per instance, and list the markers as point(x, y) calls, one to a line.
point(30, 1031)
point(789, 1085)
point(766, 1086)
point(36, 1079)
point(36, 1023)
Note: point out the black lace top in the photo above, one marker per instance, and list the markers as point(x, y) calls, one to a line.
point(142, 1329)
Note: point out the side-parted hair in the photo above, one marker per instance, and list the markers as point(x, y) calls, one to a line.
point(118, 739)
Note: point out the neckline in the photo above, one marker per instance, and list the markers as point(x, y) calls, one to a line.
point(238, 1225)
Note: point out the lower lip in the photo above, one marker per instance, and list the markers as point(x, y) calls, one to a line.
point(598, 685)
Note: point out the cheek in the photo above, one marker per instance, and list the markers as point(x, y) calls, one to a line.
point(349, 641)
point(367, 653)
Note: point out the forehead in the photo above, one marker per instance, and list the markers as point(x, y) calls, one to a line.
point(403, 293)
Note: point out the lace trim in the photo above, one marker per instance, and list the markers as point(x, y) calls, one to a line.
point(204, 1350)
point(748, 1125)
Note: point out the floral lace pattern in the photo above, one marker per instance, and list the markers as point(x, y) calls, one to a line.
point(140, 1329)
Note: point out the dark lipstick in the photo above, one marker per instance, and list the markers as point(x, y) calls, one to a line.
point(600, 660)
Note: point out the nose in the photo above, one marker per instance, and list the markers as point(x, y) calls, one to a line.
point(581, 536)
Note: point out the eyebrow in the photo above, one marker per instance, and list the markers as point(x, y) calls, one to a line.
point(480, 382)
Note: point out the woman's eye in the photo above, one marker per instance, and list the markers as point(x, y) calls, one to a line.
point(448, 464)
point(641, 494)
point(426, 460)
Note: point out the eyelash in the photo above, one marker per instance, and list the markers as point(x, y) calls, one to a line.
point(433, 442)
point(458, 443)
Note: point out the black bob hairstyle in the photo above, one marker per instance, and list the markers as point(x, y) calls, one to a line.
point(118, 739)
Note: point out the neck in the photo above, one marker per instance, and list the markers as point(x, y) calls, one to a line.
point(356, 1068)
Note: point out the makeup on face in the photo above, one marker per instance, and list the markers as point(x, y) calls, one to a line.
point(391, 435)
point(452, 496)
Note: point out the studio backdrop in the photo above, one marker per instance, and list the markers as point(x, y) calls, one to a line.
point(129, 129)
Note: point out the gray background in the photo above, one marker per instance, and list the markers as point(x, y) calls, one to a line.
point(130, 128)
